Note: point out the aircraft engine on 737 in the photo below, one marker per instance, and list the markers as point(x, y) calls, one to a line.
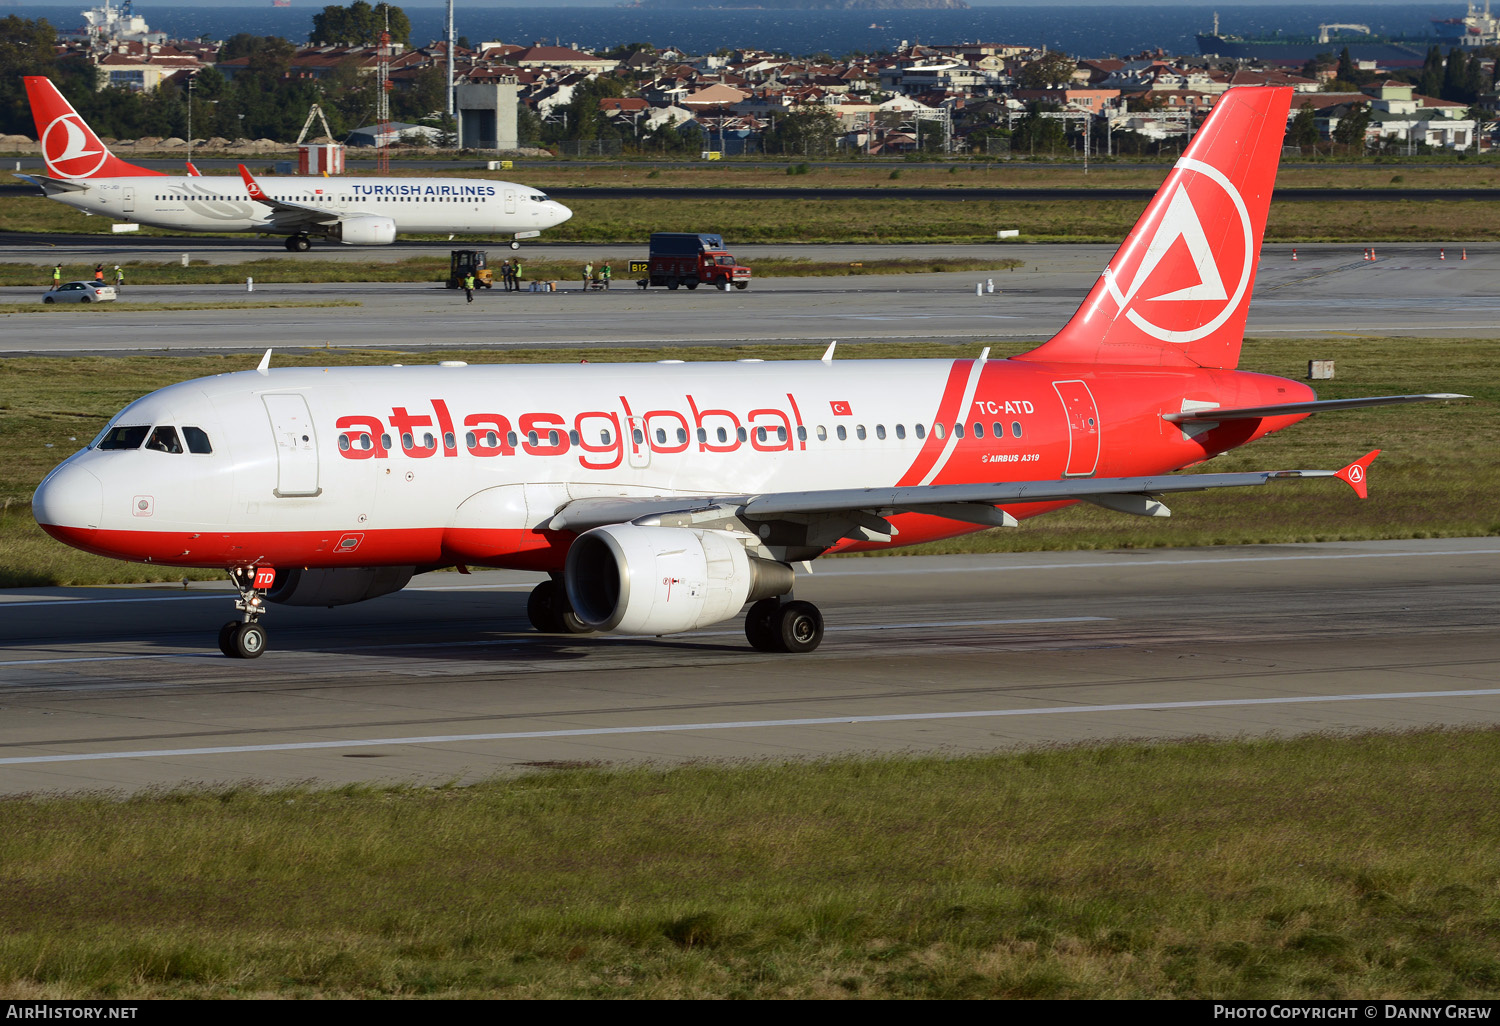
point(366, 231)
point(629, 579)
point(337, 587)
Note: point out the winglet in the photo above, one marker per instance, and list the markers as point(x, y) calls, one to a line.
point(251, 185)
point(193, 172)
point(265, 362)
point(1357, 474)
point(828, 353)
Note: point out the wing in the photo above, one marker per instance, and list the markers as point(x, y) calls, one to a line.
point(288, 215)
point(804, 524)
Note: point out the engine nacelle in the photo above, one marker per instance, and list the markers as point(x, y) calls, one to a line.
point(365, 231)
point(628, 579)
point(337, 587)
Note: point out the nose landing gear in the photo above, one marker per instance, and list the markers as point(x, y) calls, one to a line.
point(245, 638)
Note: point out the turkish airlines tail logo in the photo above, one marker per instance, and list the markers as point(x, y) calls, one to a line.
point(69, 147)
point(1178, 291)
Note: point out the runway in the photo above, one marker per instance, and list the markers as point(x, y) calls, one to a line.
point(1408, 290)
point(120, 689)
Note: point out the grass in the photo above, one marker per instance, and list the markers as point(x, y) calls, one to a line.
point(276, 270)
point(806, 217)
point(15, 308)
point(1348, 868)
point(1433, 480)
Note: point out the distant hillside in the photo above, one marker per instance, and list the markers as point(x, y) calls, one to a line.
point(811, 5)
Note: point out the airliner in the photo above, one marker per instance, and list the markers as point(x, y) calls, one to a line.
point(661, 498)
point(354, 211)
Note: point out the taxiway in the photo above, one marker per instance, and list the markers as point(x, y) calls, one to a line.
point(119, 689)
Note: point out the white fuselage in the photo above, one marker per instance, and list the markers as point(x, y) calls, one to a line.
point(222, 204)
point(467, 464)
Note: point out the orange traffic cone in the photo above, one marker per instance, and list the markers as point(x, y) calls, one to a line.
point(1465, 254)
point(1442, 254)
point(1294, 253)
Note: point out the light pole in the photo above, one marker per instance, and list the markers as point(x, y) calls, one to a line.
point(190, 117)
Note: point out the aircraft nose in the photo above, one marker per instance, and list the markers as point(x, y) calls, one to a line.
point(69, 497)
point(563, 213)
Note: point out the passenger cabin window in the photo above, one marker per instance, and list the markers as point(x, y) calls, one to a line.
point(841, 432)
point(859, 432)
point(197, 441)
point(822, 433)
point(1015, 428)
point(900, 430)
point(921, 431)
point(124, 437)
point(164, 439)
point(880, 431)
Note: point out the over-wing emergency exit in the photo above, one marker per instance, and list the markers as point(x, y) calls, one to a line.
point(660, 498)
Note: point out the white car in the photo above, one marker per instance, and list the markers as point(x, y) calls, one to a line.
point(81, 292)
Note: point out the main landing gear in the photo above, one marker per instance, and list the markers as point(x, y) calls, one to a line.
point(245, 638)
point(298, 243)
point(550, 612)
point(776, 626)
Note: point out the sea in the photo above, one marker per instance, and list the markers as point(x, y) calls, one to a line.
point(1084, 31)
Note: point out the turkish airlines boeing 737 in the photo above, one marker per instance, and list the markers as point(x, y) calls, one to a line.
point(664, 497)
point(354, 211)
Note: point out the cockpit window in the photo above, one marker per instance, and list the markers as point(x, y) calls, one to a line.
point(164, 439)
point(539, 198)
point(124, 437)
point(197, 440)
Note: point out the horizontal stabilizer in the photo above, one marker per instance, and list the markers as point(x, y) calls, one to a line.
point(53, 186)
point(1293, 409)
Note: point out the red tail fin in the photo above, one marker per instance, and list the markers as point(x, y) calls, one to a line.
point(1177, 292)
point(69, 146)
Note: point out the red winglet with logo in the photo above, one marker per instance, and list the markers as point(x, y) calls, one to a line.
point(1357, 474)
point(251, 185)
point(1177, 292)
point(69, 146)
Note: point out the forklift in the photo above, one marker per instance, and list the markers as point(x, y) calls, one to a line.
point(465, 261)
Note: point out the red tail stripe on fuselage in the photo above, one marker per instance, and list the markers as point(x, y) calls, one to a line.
point(947, 413)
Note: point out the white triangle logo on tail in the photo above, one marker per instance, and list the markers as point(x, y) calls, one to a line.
point(1180, 220)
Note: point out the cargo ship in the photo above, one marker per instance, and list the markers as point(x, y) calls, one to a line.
point(1475, 29)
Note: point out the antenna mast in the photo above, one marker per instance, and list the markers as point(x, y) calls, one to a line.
point(383, 99)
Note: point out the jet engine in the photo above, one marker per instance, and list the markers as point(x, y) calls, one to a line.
point(337, 587)
point(629, 579)
point(365, 231)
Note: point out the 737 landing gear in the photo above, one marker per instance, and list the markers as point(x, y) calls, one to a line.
point(550, 612)
point(776, 626)
point(298, 243)
point(246, 638)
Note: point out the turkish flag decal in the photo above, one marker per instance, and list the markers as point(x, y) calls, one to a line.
point(841, 409)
